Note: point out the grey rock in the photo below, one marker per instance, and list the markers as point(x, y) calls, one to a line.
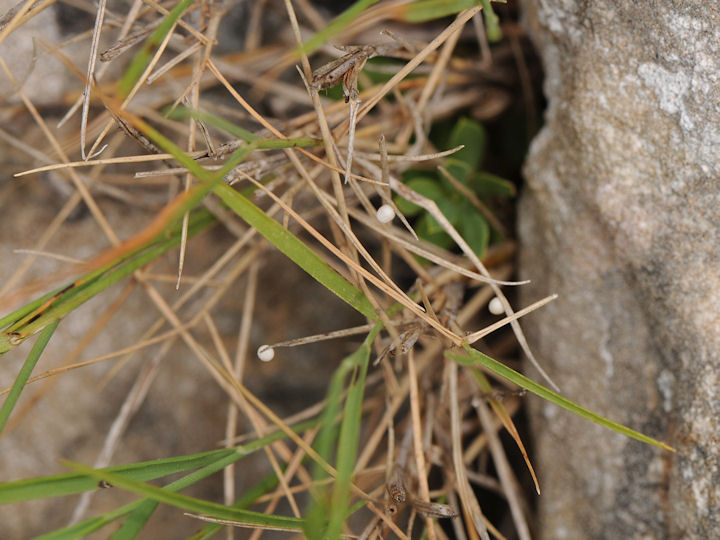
point(620, 217)
point(40, 74)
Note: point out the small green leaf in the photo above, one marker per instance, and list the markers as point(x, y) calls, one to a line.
point(426, 186)
point(472, 135)
point(69, 484)
point(430, 230)
point(475, 230)
point(475, 357)
point(487, 184)
point(459, 170)
point(452, 209)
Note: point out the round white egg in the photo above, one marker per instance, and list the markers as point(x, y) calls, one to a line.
point(385, 213)
point(265, 353)
point(496, 307)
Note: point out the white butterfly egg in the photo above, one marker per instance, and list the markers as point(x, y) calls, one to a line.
point(385, 213)
point(265, 353)
point(496, 307)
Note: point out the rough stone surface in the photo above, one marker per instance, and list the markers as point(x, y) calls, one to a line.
point(620, 217)
point(41, 75)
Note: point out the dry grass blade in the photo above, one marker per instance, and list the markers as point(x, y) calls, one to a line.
point(417, 444)
point(471, 509)
point(90, 77)
point(472, 338)
point(231, 523)
point(504, 472)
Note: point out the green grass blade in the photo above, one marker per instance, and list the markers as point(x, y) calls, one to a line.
point(427, 10)
point(143, 57)
point(336, 26)
point(21, 312)
point(94, 283)
point(320, 509)
point(25, 372)
point(72, 483)
point(136, 520)
point(218, 459)
point(208, 178)
point(324, 444)
point(80, 530)
point(280, 237)
point(78, 295)
point(295, 250)
point(190, 504)
point(248, 498)
point(476, 357)
point(93, 524)
point(349, 437)
point(242, 134)
point(492, 23)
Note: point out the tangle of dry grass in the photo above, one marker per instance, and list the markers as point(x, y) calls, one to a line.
point(427, 435)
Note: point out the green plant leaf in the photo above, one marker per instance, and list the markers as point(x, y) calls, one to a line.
point(460, 171)
point(424, 185)
point(452, 208)
point(430, 230)
point(326, 441)
point(475, 357)
point(70, 484)
point(215, 460)
point(486, 184)
point(475, 230)
point(473, 136)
